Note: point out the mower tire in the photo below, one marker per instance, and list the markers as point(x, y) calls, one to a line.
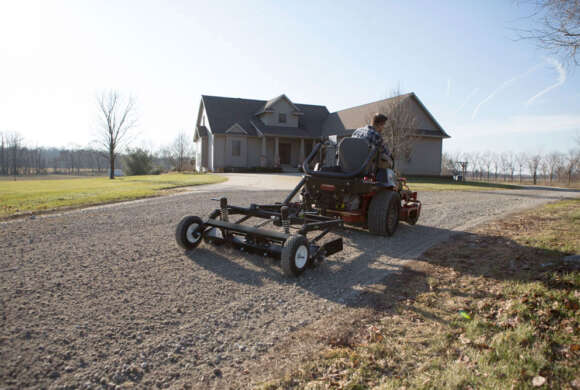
point(383, 213)
point(295, 255)
point(189, 232)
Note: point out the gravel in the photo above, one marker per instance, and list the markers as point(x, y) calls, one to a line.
point(104, 298)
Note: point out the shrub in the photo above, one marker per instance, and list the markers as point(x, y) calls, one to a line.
point(139, 162)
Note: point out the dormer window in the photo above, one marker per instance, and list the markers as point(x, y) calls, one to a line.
point(281, 118)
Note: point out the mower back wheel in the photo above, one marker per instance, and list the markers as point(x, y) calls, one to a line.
point(383, 213)
point(295, 255)
point(189, 232)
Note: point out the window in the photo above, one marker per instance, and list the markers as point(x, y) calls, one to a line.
point(236, 148)
point(281, 118)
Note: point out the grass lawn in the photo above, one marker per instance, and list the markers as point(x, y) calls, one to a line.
point(33, 196)
point(497, 308)
point(435, 184)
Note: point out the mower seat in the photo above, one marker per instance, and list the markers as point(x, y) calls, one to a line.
point(352, 153)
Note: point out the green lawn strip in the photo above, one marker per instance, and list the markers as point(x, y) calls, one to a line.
point(493, 309)
point(31, 196)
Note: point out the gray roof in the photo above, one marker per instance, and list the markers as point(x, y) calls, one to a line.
point(345, 121)
point(315, 121)
point(223, 112)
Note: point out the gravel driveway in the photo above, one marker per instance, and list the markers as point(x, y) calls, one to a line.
point(103, 296)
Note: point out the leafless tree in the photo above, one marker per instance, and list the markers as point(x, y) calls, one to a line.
point(496, 164)
point(447, 164)
point(533, 165)
point(558, 27)
point(476, 163)
point(553, 160)
point(507, 165)
point(14, 143)
point(181, 151)
point(401, 128)
point(3, 155)
point(544, 168)
point(521, 159)
point(487, 162)
point(572, 161)
point(117, 116)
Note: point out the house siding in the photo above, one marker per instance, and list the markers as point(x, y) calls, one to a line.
point(281, 106)
point(230, 159)
point(254, 151)
point(425, 158)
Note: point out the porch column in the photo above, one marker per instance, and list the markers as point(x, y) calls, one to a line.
point(263, 157)
point(302, 156)
point(276, 152)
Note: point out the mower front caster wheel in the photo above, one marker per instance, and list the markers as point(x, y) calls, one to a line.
point(295, 255)
point(189, 232)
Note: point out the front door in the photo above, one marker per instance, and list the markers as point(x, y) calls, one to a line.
point(285, 152)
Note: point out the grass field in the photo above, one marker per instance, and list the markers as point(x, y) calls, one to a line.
point(23, 197)
point(497, 308)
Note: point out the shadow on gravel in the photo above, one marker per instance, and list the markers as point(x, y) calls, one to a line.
point(487, 257)
point(216, 260)
point(361, 281)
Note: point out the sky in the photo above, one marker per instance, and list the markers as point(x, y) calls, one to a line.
point(487, 89)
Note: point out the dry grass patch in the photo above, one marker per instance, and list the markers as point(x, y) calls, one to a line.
point(495, 308)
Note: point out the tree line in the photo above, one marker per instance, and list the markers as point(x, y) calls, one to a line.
point(537, 168)
point(18, 158)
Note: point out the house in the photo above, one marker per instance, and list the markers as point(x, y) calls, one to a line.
point(245, 133)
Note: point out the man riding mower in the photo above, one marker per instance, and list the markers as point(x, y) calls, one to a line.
point(330, 196)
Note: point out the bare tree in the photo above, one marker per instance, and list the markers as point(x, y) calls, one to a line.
point(496, 163)
point(476, 162)
point(572, 161)
point(116, 117)
point(447, 164)
point(487, 162)
point(533, 165)
point(181, 150)
point(553, 160)
point(14, 143)
point(3, 155)
point(545, 169)
point(559, 27)
point(401, 128)
point(521, 160)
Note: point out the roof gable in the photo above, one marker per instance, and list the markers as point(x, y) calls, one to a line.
point(236, 129)
point(268, 107)
point(344, 121)
point(223, 113)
